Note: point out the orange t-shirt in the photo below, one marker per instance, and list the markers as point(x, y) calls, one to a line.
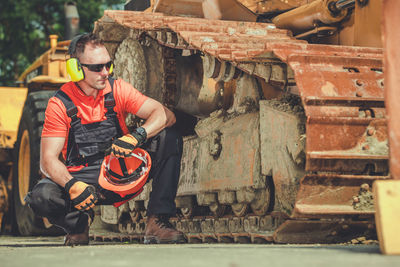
point(90, 109)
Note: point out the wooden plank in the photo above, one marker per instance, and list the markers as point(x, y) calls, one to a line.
point(387, 215)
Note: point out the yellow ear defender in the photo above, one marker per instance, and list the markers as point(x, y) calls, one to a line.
point(74, 67)
point(111, 69)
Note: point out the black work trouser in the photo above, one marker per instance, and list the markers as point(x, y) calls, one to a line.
point(48, 199)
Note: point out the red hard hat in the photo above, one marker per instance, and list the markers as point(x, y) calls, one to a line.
point(125, 176)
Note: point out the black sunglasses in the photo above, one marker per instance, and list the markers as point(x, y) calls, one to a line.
point(98, 67)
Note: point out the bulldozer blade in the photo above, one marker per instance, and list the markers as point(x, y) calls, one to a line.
point(331, 194)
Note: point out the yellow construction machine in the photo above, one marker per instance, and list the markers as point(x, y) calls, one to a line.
point(21, 120)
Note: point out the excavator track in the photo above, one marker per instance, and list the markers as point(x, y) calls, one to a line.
point(342, 116)
point(249, 229)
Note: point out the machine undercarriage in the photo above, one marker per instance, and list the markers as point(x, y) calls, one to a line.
point(283, 138)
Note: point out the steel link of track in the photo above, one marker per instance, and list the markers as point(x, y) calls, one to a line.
point(227, 229)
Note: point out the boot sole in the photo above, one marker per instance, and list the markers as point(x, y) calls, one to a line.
point(76, 243)
point(156, 240)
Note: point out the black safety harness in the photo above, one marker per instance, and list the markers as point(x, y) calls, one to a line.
point(88, 143)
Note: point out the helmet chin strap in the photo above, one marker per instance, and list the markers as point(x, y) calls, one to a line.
point(143, 159)
point(138, 156)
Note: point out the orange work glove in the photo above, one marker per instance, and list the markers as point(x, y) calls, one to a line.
point(82, 195)
point(123, 146)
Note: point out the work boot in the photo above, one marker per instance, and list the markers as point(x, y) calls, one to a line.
point(160, 231)
point(81, 239)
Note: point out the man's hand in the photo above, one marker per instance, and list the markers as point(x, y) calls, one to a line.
point(82, 195)
point(123, 146)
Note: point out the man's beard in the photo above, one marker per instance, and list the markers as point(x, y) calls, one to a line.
point(99, 87)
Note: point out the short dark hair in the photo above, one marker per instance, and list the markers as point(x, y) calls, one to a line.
point(83, 40)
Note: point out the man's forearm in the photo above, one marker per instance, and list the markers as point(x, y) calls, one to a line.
point(157, 121)
point(56, 171)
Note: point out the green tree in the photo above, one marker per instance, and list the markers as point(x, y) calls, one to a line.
point(26, 24)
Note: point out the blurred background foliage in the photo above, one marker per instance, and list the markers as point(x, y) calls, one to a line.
point(25, 26)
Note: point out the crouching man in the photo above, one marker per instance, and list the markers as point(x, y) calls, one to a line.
point(85, 121)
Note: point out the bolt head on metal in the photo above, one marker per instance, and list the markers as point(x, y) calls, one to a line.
point(365, 187)
point(366, 147)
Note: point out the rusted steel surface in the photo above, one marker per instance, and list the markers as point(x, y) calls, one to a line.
point(282, 132)
point(392, 78)
point(341, 87)
point(343, 100)
point(333, 194)
point(226, 156)
point(346, 144)
point(342, 92)
point(296, 231)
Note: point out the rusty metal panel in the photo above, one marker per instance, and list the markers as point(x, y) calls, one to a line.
point(282, 151)
point(333, 194)
point(239, 162)
point(346, 144)
point(309, 232)
point(190, 172)
point(343, 99)
point(224, 157)
point(333, 77)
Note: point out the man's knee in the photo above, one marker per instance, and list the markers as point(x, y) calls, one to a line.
point(46, 199)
